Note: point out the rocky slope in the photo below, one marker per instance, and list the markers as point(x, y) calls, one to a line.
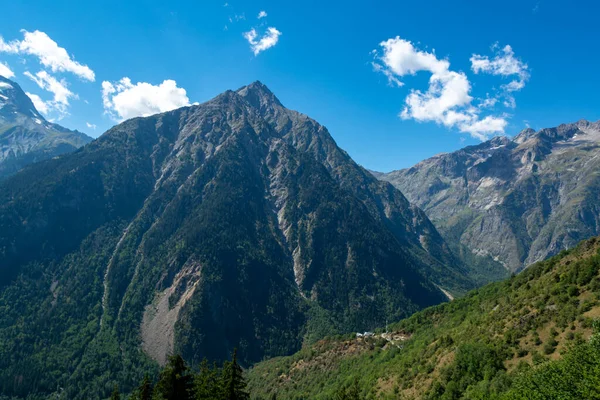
point(235, 223)
point(515, 200)
point(25, 136)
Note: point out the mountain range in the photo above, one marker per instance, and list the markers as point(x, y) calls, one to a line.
point(237, 223)
point(25, 135)
point(512, 201)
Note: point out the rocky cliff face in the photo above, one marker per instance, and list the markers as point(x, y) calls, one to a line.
point(25, 136)
point(235, 223)
point(517, 201)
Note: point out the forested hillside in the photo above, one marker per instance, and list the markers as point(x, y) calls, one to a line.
point(523, 338)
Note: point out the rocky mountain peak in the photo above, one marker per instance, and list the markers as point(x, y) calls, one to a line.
point(25, 135)
point(15, 104)
point(259, 96)
point(524, 135)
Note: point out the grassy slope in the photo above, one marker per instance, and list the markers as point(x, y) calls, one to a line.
point(525, 320)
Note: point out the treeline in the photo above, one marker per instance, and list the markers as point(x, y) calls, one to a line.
point(179, 382)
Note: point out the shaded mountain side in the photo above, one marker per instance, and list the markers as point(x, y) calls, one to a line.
point(497, 342)
point(236, 223)
point(25, 136)
point(514, 201)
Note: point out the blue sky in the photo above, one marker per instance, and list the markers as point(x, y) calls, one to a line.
point(322, 64)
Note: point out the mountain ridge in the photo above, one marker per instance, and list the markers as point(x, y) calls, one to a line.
point(26, 136)
point(517, 200)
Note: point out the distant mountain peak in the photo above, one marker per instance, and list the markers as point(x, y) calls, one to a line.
point(25, 135)
point(14, 101)
point(516, 203)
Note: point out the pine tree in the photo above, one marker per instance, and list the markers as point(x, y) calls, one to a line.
point(234, 384)
point(175, 382)
point(207, 383)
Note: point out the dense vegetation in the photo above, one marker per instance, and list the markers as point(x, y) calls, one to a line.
point(500, 341)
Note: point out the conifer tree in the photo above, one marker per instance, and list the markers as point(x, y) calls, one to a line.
point(234, 384)
point(207, 383)
point(175, 382)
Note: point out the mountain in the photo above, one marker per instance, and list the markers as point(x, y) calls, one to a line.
point(25, 136)
point(516, 201)
point(522, 338)
point(236, 223)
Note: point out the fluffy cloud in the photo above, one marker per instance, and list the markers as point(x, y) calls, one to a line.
point(39, 104)
point(49, 53)
point(123, 100)
point(59, 89)
point(269, 39)
point(5, 71)
point(504, 64)
point(447, 101)
point(262, 14)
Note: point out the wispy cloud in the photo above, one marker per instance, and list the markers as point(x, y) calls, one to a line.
point(38, 103)
point(48, 52)
point(268, 40)
point(504, 64)
point(5, 71)
point(91, 126)
point(58, 88)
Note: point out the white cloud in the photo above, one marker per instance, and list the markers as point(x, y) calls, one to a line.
point(488, 102)
point(59, 89)
point(269, 39)
point(504, 64)
point(5, 47)
point(262, 14)
point(482, 128)
point(47, 82)
point(39, 104)
point(5, 71)
point(49, 53)
point(91, 126)
point(123, 100)
point(447, 101)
